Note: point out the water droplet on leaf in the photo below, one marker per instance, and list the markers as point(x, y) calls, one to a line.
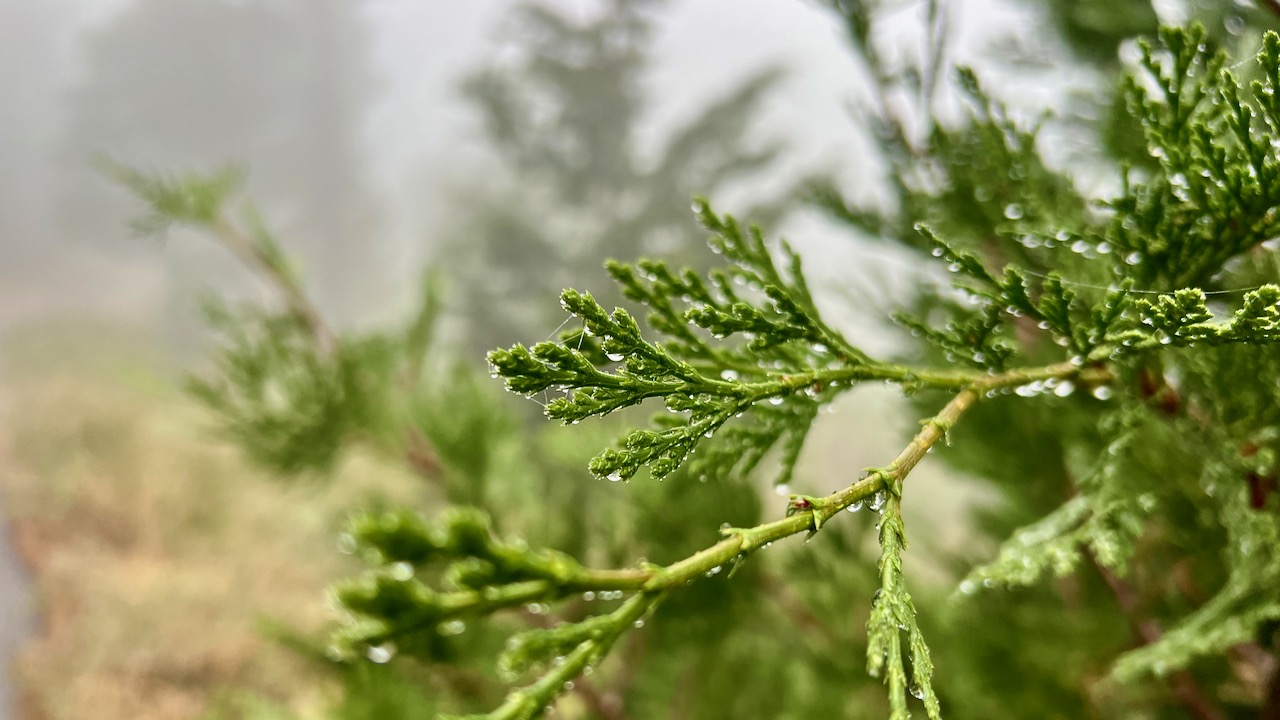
point(381, 653)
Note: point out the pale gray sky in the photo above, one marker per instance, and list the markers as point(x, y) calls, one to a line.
point(422, 141)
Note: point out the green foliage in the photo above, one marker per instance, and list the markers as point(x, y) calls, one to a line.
point(893, 615)
point(192, 200)
point(772, 371)
point(1157, 235)
point(1210, 198)
point(284, 402)
point(1095, 361)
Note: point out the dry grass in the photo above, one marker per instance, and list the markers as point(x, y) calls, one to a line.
point(157, 552)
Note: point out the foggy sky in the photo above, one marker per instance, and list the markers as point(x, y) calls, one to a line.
point(420, 138)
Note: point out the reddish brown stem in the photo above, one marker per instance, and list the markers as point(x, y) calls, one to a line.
point(1271, 706)
point(1185, 687)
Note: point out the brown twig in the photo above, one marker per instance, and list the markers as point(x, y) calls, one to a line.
point(1185, 687)
point(252, 254)
point(1271, 705)
point(420, 454)
point(1271, 5)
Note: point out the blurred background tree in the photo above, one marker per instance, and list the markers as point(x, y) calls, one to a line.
point(562, 108)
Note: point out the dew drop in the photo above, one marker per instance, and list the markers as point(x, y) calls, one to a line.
point(452, 627)
point(346, 544)
point(855, 506)
point(876, 503)
point(638, 624)
point(782, 490)
point(1064, 389)
point(401, 571)
point(1102, 392)
point(614, 476)
point(381, 654)
point(1026, 391)
point(1013, 211)
point(968, 587)
point(588, 596)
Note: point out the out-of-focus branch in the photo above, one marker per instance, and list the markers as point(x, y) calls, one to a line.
point(418, 452)
point(1271, 705)
point(1185, 687)
point(253, 254)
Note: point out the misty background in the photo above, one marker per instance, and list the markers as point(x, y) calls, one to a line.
point(390, 136)
point(352, 124)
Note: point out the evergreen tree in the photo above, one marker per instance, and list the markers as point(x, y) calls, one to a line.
point(1105, 364)
point(562, 113)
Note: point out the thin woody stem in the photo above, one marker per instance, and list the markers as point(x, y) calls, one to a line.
point(815, 511)
point(250, 251)
point(418, 452)
point(1185, 687)
point(650, 584)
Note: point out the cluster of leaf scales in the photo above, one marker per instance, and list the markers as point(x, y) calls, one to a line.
point(747, 338)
